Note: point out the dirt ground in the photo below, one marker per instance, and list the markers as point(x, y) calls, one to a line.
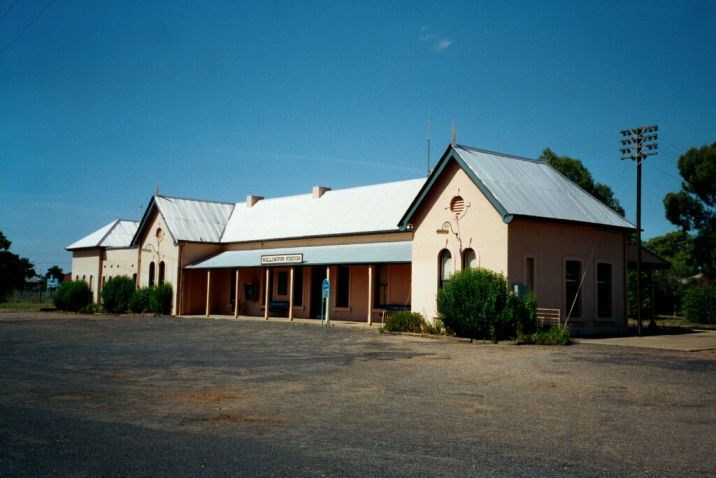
point(117, 396)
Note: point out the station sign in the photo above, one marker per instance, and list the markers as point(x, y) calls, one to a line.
point(281, 259)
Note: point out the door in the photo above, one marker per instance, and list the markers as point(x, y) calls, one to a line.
point(317, 276)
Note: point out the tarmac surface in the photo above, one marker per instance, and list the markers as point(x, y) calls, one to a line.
point(160, 396)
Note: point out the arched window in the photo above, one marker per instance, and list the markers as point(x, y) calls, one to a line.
point(444, 267)
point(151, 273)
point(469, 259)
point(161, 273)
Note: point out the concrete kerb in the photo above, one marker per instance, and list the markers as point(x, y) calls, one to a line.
point(284, 320)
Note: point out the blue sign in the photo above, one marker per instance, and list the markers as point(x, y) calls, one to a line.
point(53, 283)
point(326, 287)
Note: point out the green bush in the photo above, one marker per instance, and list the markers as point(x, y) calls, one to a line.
point(478, 304)
point(700, 303)
point(436, 327)
point(139, 302)
point(549, 336)
point(116, 294)
point(72, 296)
point(160, 300)
point(404, 321)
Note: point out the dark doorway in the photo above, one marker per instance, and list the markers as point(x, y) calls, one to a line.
point(317, 276)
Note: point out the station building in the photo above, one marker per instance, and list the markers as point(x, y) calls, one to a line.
point(383, 247)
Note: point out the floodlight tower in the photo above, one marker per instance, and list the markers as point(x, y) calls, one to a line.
point(638, 144)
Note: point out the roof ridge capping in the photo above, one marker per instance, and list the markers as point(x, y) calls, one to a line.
point(180, 198)
point(497, 153)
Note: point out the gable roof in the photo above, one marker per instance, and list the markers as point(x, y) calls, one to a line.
point(359, 210)
point(521, 187)
point(116, 234)
point(190, 220)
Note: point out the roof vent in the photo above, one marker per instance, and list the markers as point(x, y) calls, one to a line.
point(319, 190)
point(252, 199)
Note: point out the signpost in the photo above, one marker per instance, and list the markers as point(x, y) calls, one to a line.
point(325, 299)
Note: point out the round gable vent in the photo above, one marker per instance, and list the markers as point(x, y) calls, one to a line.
point(457, 205)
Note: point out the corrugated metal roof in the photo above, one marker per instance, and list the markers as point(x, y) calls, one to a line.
point(116, 234)
point(193, 220)
point(345, 211)
point(524, 187)
point(121, 234)
point(371, 253)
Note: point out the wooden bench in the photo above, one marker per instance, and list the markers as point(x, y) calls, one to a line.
point(278, 307)
point(549, 316)
point(385, 310)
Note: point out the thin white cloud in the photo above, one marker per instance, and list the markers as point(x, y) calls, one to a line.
point(442, 44)
point(436, 41)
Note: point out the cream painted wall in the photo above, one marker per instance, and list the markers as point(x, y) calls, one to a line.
point(551, 244)
point(119, 262)
point(156, 245)
point(481, 228)
point(86, 265)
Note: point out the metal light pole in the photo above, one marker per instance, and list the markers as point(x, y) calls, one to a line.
point(638, 144)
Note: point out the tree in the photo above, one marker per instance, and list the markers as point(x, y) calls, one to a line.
point(56, 272)
point(676, 247)
point(574, 169)
point(693, 208)
point(13, 269)
point(4, 242)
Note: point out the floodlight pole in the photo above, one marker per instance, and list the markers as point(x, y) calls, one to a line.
point(637, 145)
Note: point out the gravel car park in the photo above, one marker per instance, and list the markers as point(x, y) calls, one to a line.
point(164, 396)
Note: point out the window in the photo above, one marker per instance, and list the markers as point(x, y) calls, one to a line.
point(343, 286)
point(151, 274)
point(529, 273)
point(604, 290)
point(161, 273)
point(298, 286)
point(445, 267)
point(573, 296)
point(282, 283)
point(469, 259)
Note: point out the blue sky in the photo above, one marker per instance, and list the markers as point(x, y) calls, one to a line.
point(100, 101)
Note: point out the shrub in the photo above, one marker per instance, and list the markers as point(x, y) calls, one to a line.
point(436, 327)
point(116, 293)
point(478, 304)
point(160, 300)
point(404, 321)
point(90, 309)
point(700, 303)
point(72, 296)
point(139, 302)
point(549, 336)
